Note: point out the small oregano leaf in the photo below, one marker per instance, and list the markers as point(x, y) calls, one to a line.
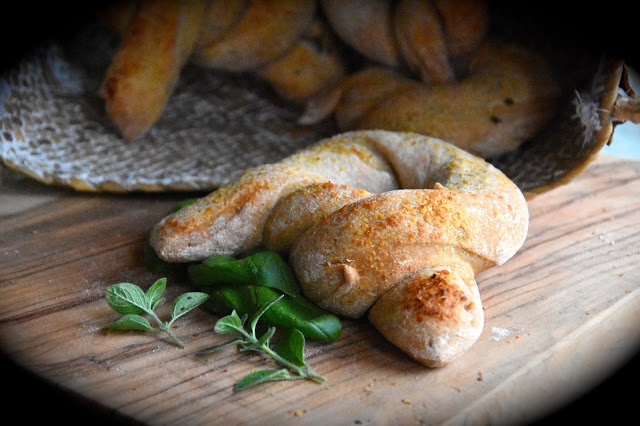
point(129, 299)
point(291, 347)
point(187, 302)
point(229, 325)
point(131, 322)
point(126, 298)
point(256, 317)
point(155, 292)
point(264, 339)
point(262, 376)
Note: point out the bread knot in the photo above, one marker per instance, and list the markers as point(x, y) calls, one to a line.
point(391, 224)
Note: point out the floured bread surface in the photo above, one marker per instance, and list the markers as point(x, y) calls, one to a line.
point(54, 129)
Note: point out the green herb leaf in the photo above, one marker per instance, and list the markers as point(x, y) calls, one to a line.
point(262, 376)
point(222, 270)
point(297, 312)
point(155, 292)
point(291, 347)
point(264, 339)
point(292, 359)
point(187, 302)
point(266, 269)
point(131, 322)
point(127, 298)
point(262, 310)
point(229, 324)
point(272, 271)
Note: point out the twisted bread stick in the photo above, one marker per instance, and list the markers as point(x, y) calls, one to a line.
point(509, 94)
point(394, 223)
point(158, 38)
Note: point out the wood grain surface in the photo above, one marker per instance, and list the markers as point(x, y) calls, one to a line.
point(561, 316)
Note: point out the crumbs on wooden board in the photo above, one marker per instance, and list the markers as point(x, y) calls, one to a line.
point(499, 333)
point(297, 412)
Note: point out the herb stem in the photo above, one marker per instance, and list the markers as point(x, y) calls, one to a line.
point(166, 328)
point(303, 372)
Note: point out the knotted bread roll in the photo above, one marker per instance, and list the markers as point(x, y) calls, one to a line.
point(396, 224)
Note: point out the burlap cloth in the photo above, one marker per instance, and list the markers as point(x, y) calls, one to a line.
point(53, 126)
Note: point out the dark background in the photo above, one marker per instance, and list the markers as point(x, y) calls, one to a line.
point(26, 25)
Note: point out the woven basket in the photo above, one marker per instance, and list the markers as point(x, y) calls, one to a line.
point(53, 126)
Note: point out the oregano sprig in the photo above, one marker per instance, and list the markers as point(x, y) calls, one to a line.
point(289, 353)
point(131, 301)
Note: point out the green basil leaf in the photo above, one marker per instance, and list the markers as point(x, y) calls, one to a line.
point(299, 313)
point(127, 298)
point(131, 322)
point(291, 347)
point(229, 324)
point(220, 270)
point(273, 272)
point(262, 376)
point(155, 292)
point(186, 302)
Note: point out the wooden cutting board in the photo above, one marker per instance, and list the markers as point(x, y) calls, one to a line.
point(561, 316)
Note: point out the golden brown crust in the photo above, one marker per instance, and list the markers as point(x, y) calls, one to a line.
point(227, 221)
point(311, 65)
point(465, 24)
point(353, 97)
point(265, 31)
point(220, 16)
point(434, 316)
point(282, 42)
point(392, 235)
point(422, 40)
point(304, 207)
